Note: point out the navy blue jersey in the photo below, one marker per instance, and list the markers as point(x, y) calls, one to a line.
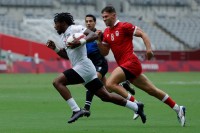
point(92, 47)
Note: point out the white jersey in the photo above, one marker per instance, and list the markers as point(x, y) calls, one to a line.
point(78, 56)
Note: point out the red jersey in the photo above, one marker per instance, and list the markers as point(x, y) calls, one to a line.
point(119, 38)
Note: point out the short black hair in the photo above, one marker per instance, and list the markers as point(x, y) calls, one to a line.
point(109, 9)
point(64, 17)
point(92, 16)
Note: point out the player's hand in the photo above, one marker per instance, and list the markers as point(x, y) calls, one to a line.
point(50, 44)
point(100, 34)
point(74, 44)
point(149, 54)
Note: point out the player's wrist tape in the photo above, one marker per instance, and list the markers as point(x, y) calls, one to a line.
point(82, 41)
point(56, 50)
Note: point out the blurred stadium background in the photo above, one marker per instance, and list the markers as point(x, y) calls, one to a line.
point(29, 103)
point(172, 25)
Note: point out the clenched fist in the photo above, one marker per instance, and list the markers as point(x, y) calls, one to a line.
point(50, 44)
point(149, 54)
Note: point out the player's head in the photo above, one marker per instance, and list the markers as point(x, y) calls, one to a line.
point(109, 15)
point(90, 21)
point(63, 21)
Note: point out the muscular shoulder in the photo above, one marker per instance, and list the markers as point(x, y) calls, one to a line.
point(126, 25)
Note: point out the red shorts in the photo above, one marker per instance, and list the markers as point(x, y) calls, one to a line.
point(133, 65)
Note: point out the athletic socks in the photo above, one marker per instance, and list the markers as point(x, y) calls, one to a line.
point(171, 103)
point(131, 105)
point(73, 105)
point(89, 97)
point(176, 108)
point(130, 98)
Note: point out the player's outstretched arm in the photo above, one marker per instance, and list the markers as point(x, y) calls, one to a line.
point(140, 33)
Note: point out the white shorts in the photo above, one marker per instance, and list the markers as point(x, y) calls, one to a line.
point(86, 70)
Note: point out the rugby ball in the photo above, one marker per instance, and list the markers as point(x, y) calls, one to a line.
point(77, 36)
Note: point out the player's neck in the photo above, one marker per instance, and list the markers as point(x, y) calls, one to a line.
point(94, 29)
point(113, 24)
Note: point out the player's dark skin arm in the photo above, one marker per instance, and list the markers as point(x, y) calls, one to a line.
point(90, 36)
point(62, 53)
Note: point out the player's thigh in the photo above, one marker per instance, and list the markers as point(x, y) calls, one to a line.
point(116, 77)
point(70, 77)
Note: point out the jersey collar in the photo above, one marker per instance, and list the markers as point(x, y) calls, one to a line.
point(116, 22)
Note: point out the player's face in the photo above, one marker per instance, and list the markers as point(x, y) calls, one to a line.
point(89, 22)
point(108, 18)
point(59, 27)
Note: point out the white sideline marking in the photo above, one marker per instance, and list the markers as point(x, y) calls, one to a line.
point(183, 82)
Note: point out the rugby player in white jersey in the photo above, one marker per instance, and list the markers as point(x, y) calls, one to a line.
point(82, 71)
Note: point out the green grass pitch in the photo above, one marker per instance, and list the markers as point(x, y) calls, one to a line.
point(30, 104)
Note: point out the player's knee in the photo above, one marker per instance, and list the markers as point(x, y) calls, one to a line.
point(56, 83)
point(110, 87)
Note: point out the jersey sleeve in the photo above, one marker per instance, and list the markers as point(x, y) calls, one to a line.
point(129, 28)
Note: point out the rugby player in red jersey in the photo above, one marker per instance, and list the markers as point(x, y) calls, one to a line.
point(118, 37)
